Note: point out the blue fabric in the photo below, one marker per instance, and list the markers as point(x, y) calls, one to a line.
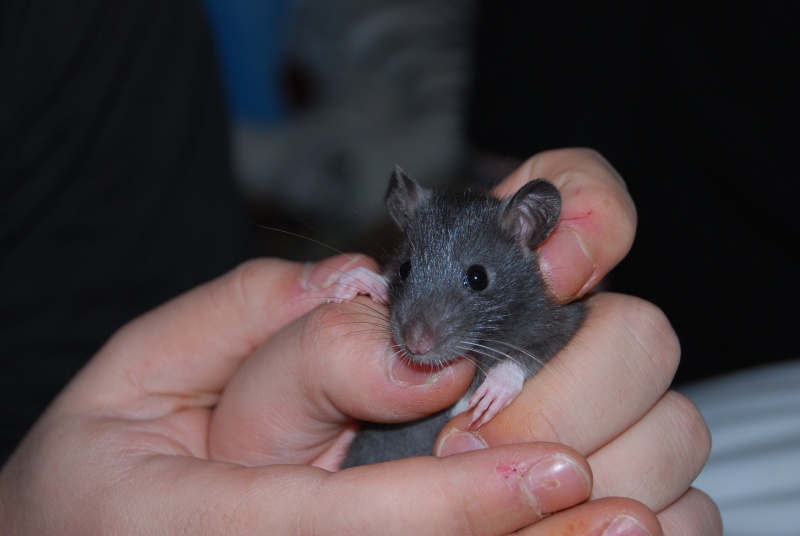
point(250, 38)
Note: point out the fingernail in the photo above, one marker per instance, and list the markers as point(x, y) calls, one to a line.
point(625, 525)
point(406, 372)
point(458, 441)
point(319, 275)
point(556, 483)
point(568, 269)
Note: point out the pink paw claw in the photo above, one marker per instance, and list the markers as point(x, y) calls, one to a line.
point(361, 281)
point(502, 385)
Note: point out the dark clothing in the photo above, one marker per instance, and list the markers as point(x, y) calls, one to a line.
point(696, 105)
point(115, 189)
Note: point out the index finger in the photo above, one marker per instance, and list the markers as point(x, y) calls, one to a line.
point(598, 218)
point(185, 351)
point(612, 372)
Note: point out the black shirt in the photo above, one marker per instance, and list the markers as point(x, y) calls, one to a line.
point(115, 188)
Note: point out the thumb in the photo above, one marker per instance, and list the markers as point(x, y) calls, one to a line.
point(488, 492)
point(193, 344)
point(295, 397)
point(598, 218)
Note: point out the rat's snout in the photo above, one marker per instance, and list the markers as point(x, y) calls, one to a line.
point(418, 337)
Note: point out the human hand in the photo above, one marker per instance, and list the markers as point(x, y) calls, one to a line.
point(134, 443)
point(209, 414)
point(652, 442)
point(638, 452)
point(597, 223)
point(606, 395)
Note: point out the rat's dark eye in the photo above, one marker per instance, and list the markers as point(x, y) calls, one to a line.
point(476, 278)
point(404, 270)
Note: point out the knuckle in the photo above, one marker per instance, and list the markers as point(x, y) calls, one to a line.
point(246, 281)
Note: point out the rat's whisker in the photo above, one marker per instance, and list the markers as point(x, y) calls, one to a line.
point(479, 364)
point(520, 350)
point(318, 242)
point(499, 357)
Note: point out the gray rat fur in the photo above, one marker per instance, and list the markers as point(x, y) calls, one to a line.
point(465, 281)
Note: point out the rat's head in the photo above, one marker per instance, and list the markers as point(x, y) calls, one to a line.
point(466, 270)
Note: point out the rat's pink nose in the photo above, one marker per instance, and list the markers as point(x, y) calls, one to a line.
point(419, 338)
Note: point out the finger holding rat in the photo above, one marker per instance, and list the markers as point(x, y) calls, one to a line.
point(291, 401)
point(604, 393)
point(616, 368)
point(107, 454)
point(493, 492)
point(165, 371)
point(497, 492)
point(598, 218)
point(190, 346)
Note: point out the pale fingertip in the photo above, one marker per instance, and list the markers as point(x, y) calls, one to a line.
point(403, 372)
point(555, 483)
point(457, 441)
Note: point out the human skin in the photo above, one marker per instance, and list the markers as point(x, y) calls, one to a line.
point(226, 411)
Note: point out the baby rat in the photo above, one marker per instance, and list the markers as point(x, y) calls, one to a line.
point(464, 282)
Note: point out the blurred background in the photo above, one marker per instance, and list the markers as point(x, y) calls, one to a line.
point(326, 97)
point(695, 105)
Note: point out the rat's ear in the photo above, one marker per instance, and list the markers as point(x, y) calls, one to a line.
point(404, 196)
point(532, 213)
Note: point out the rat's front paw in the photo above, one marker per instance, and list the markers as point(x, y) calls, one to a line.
point(361, 281)
point(502, 385)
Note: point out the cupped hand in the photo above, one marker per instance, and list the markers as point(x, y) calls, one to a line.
point(227, 409)
point(606, 393)
point(152, 436)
